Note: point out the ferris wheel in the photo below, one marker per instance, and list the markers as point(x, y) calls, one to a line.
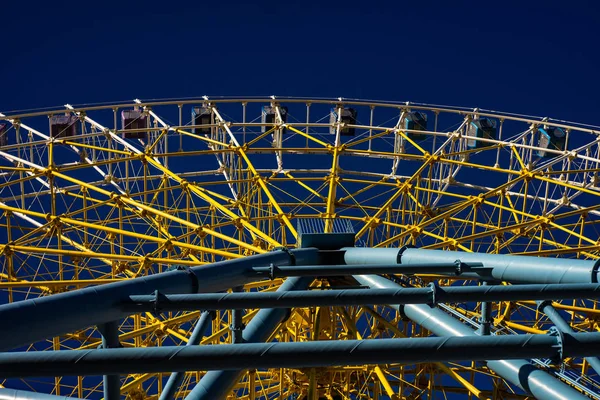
point(100, 199)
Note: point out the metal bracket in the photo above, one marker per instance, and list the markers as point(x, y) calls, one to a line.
point(192, 275)
point(273, 271)
point(289, 252)
point(460, 267)
point(159, 298)
point(595, 269)
point(560, 344)
point(543, 304)
point(434, 289)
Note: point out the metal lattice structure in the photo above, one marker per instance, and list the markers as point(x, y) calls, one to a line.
point(100, 194)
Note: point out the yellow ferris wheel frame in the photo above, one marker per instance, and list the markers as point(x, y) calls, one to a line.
point(111, 203)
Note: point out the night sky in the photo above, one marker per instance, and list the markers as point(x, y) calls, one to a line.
point(535, 57)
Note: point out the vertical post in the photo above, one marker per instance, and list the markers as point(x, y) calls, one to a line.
point(180, 106)
point(252, 387)
point(237, 326)
point(244, 122)
point(110, 340)
point(371, 125)
point(9, 256)
point(486, 316)
point(307, 121)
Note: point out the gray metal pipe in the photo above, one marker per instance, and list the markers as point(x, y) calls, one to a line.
point(485, 320)
point(325, 353)
point(517, 269)
point(176, 378)
point(11, 394)
point(334, 270)
point(216, 384)
point(562, 325)
point(519, 372)
point(110, 340)
point(237, 327)
point(365, 255)
point(32, 320)
point(502, 267)
point(310, 298)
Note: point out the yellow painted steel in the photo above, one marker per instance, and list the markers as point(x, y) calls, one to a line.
point(103, 207)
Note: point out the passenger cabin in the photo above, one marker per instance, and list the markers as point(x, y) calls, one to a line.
point(348, 117)
point(480, 128)
point(415, 121)
point(268, 117)
point(133, 119)
point(202, 116)
point(64, 125)
point(3, 135)
point(553, 138)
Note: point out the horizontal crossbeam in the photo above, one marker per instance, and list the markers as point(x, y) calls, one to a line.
point(296, 354)
point(355, 297)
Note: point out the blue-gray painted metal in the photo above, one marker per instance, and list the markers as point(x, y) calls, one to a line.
point(110, 340)
point(176, 378)
point(334, 270)
point(562, 325)
point(516, 269)
point(519, 372)
point(501, 267)
point(216, 384)
point(11, 394)
point(237, 326)
point(486, 316)
point(310, 298)
point(363, 255)
point(324, 353)
point(37, 319)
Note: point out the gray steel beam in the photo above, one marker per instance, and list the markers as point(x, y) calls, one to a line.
point(237, 326)
point(11, 394)
point(562, 325)
point(485, 319)
point(216, 384)
point(500, 267)
point(452, 268)
point(37, 319)
point(176, 378)
point(325, 353)
point(518, 371)
point(310, 298)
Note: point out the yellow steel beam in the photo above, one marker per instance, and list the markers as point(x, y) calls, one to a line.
point(331, 193)
point(402, 187)
point(378, 371)
point(91, 254)
point(204, 196)
point(48, 285)
point(306, 135)
point(257, 176)
point(304, 185)
point(128, 200)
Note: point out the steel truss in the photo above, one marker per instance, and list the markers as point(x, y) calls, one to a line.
point(94, 223)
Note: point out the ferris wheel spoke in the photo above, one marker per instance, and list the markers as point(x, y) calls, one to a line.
point(117, 199)
point(257, 176)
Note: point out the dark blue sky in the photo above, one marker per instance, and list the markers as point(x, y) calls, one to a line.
point(530, 57)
